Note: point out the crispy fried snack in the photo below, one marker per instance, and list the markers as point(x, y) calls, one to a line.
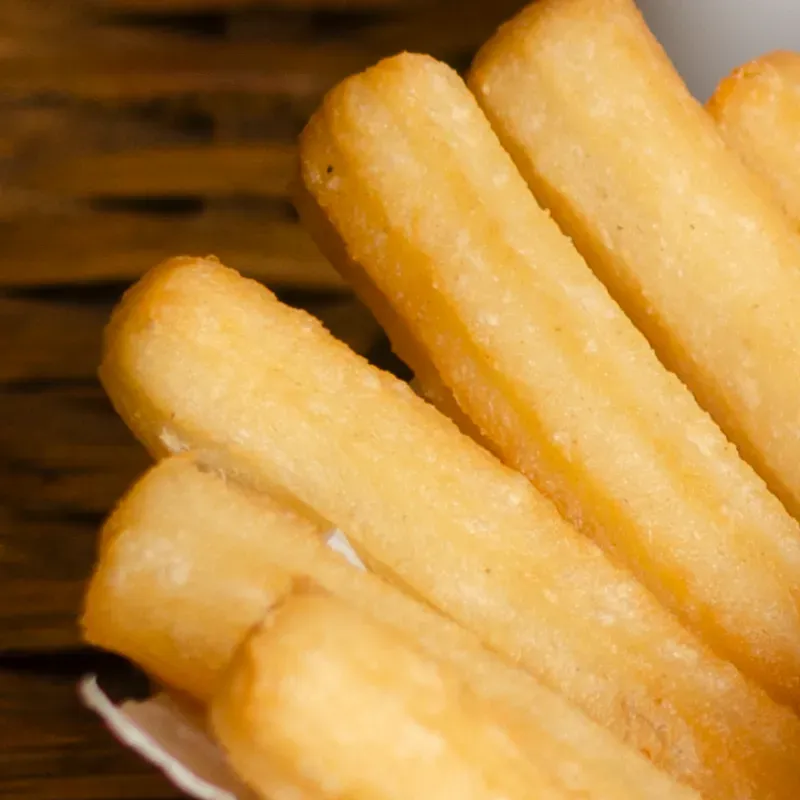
point(154, 601)
point(192, 562)
point(406, 346)
point(344, 707)
point(198, 357)
point(757, 109)
point(686, 238)
point(545, 363)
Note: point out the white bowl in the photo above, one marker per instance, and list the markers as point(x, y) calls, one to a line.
point(706, 39)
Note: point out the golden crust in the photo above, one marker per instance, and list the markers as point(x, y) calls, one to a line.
point(406, 346)
point(344, 706)
point(171, 569)
point(196, 561)
point(757, 110)
point(546, 365)
point(263, 393)
point(686, 238)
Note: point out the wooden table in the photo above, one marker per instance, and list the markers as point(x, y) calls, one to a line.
point(133, 130)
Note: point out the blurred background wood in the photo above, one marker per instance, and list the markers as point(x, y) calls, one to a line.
point(132, 130)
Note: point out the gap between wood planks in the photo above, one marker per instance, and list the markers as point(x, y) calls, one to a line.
point(52, 249)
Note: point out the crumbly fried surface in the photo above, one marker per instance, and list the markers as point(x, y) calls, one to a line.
point(198, 357)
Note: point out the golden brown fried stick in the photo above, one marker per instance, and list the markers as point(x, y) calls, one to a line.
point(193, 561)
point(685, 237)
point(326, 697)
point(151, 601)
point(545, 363)
point(197, 356)
point(757, 109)
point(406, 346)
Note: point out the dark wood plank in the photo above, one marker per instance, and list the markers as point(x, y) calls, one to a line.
point(106, 105)
point(54, 749)
point(64, 461)
point(426, 27)
point(119, 66)
point(193, 6)
point(114, 63)
point(44, 564)
point(431, 28)
point(66, 452)
point(104, 246)
point(37, 134)
point(52, 340)
point(25, 16)
point(201, 170)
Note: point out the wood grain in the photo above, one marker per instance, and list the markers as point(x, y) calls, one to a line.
point(134, 130)
point(54, 749)
point(68, 458)
point(93, 66)
point(52, 340)
point(66, 454)
point(193, 6)
point(204, 170)
point(25, 16)
point(110, 63)
point(44, 564)
point(60, 249)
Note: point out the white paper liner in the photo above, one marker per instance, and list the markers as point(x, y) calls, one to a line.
point(159, 732)
point(338, 541)
point(173, 741)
